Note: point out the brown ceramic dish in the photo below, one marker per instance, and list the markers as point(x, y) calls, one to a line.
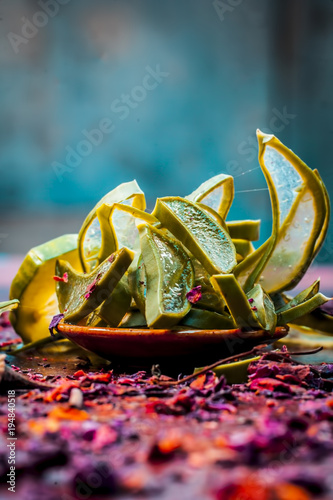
point(143, 347)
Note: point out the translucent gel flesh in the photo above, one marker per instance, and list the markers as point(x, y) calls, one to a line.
point(175, 272)
point(212, 238)
point(286, 179)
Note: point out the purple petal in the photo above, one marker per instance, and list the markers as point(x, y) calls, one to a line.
point(54, 322)
point(194, 295)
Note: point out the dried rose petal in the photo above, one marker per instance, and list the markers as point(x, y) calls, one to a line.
point(194, 295)
point(89, 290)
point(92, 286)
point(63, 278)
point(54, 322)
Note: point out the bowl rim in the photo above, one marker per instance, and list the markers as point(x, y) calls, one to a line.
point(72, 329)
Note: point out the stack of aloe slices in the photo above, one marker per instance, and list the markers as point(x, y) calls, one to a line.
point(185, 265)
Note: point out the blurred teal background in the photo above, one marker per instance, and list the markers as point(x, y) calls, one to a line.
point(217, 71)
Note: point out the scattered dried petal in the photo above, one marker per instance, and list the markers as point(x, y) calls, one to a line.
point(194, 295)
point(54, 322)
point(63, 278)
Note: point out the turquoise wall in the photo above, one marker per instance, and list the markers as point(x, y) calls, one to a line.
point(175, 88)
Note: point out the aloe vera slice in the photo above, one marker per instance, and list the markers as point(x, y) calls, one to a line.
point(124, 226)
point(114, 308)
point(316, 320)
point(217, 193)
point(208, 241)
point(249, 267)
point(249, 229)
point(34, 287)
point(133, 319)
point(90, 237)
point(132, 217)
point(279, 300)
point(302, 216)
point(138, 284)
point(248, 271)
point(210, 300)
point(235, 373)
point(135, 212)
point(306, 294)
point(244, 229)
point(263, 308)
point(236, 301)
point(208, 320)
point(8, 305)
point(213, 213)
point(294, 249)
point(170, 277)
point(109, 240)
point(81, 294)
point(282, 262)
point(296, 312)
point(136, 272)
point(95, 320)
point(254, 310)
point(243, 247)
